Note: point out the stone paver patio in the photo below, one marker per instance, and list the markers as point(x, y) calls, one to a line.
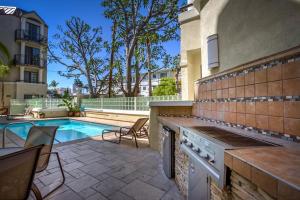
point(96, 169)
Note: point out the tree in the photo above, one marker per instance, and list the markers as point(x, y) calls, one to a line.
point(135, 19)
point(174, 62)
point(5, 62)
point(167, 86)
point(53, 84)
point(80, 46)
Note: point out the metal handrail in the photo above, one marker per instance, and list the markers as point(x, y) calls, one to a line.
point(12, 123)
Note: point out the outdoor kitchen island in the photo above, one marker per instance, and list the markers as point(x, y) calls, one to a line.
point(263, 172)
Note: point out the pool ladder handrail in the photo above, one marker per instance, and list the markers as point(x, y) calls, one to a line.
point(12, 123)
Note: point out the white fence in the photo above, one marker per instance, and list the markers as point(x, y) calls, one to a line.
point(125, 103)
point(18, 106)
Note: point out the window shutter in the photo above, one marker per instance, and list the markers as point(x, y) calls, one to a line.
point(213, 51)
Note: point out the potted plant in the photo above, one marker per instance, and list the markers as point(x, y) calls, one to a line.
point(41, 115)
point(76, 110)
point(68, 102)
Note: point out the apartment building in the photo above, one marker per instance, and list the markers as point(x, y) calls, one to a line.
point(25, 35)
point(219, 35)
point(155, 81)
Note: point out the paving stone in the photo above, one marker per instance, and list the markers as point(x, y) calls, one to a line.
point(173, 194)
point(119, 196)
point(67, 195)
point(82, 183)
point(72, 166)
point(142, 191)
point(94, 169)
point(77, 173)
point(136, 175)
point(97, 196)
point(109, 186)
point(87, 193)
point(161, 181)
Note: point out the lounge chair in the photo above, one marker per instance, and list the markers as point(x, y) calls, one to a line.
point(17, 173)
point(27, 115)
point(134, 131)
point(44, 135)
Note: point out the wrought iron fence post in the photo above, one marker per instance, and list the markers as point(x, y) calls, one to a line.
point(135, 106)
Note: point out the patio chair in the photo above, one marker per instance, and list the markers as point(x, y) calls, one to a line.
point(44, 135)
point(27, 114)
point(134, 131)
point(17, 173)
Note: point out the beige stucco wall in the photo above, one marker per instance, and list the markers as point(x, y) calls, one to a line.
point(248, 29)
point(190, 52)
point(30, 88)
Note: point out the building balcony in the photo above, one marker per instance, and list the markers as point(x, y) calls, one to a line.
point(29, 60)
point(188, 13)
point(25, 35)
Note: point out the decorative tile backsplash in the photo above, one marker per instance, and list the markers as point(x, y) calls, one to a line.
point(263, 98)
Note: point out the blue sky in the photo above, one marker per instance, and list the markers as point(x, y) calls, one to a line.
point(56, 12)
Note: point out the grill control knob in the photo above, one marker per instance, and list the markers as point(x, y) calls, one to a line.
point(198, 150)
point(207, 157)
point(191, 145)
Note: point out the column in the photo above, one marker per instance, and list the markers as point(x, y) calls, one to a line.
point(42, 57)
point(41, 75)
point(22, 58)
point(22, 73)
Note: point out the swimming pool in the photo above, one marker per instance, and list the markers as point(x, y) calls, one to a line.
point(68, 129)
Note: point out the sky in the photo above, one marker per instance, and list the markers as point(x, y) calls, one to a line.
point(56, 12)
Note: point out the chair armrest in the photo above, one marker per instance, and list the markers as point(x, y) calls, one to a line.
point(110, 131)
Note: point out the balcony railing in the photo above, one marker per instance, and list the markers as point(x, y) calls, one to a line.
point(21, 59)
point(23, 34)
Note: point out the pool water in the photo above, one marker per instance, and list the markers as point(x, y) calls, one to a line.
point(68, 129)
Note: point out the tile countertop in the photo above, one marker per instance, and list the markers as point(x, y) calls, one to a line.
point(282, 163)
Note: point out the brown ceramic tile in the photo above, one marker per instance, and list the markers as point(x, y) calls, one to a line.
point(292, 126)
point(220, 106)
point(291, 70)
point(226, 106)
point(228, 160)
point(232, 92)
point(291, 87)
point(261, 89)
point(219, 84)
point(214, 85)
point(240, 91)
point(225, 83)
point(208, 94)
point(292, 109)
point(264, 181)
point(262, 122)
point(262, 108)
point(250, 107)
point(276, 124)
point(261, 76)
point(276, 108)
point(241, 168)
point(227, 117)
point(275, 88)
point(250, 120)
point(240, 107)
point(204, 95)
point(240, 80)
point(249, 78)
point(214, 114)
point(219, 94)
point(220, 116)
point(249, 91)
point(232, 117)
point(231, 82)
point(208, 86)
point(274, 73)
point(286, 192)
point(225, 93)
point(241, 118)
point(213, 106)
point(214, 94)
point(232, 106)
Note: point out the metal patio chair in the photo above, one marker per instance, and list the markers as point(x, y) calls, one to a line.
point(135, 130)
point(44, 135)
point(17, 172)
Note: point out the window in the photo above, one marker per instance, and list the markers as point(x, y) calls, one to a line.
point(144, 88)
point(32, 56)
point(27, 96)
point(163, 75)
point(33, 31)
point(153, 75)
point(30, 77)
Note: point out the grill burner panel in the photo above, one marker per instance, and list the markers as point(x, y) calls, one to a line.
point(229, 138)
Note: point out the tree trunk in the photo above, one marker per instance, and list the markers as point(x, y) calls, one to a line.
point(177, 80)
point(128, 73)
point(2, 92)
point(112, 55)
point(149, 66)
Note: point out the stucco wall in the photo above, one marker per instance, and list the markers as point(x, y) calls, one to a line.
point(248, 29)
point(30, 88)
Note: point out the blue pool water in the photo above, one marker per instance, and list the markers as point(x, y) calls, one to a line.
point(68, 129)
